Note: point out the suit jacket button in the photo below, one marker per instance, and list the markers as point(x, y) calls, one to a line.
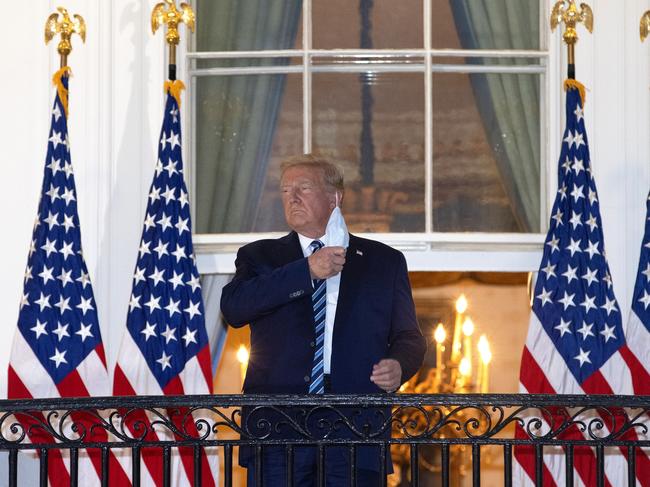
point(312, 344)
point(306, 378)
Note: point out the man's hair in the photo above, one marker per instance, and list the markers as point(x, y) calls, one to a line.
point(332, 174)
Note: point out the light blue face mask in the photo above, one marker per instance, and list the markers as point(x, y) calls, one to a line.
point(337, 231)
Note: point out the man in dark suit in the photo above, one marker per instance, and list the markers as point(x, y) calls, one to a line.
point(323, 318)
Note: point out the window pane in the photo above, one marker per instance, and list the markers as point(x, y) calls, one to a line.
point(243, 25)
point(383, 166)
point(244, 126)
point(486, 153)
point(389, 24)
point(493, 24)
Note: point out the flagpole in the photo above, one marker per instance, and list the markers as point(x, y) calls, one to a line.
point(570, 16)
point(61, 23)
point(166, 13)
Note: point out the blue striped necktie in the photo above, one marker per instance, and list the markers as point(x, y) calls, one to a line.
point(319, 303)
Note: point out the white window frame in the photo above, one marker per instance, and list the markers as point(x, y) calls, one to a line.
point(429, 250)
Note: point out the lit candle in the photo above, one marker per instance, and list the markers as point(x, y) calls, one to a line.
point(468, 331)
point(461, 307)
point(242, 358)
point(465, 368)
point(486, 357)
point(439, 336)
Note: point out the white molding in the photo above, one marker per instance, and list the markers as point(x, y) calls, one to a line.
point(434, 238)
point(478, 260)
point(368, 53)
point(424, 252)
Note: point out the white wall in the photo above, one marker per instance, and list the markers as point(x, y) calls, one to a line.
point(116, 108)
point(116, 102)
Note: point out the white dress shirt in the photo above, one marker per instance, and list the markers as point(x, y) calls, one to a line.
point(333, 284)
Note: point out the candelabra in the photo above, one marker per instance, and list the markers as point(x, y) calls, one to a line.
point(461, 368)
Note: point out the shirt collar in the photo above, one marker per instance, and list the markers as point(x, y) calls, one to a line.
point(305, 242)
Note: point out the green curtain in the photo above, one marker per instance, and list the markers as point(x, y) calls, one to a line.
point(508, 104)
point(235, 124)
point(236, 116)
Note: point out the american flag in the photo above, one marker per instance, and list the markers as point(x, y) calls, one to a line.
point(637, 332)
point(165, 346)
point(57, 350)
point(638, 325)
point(576, 343)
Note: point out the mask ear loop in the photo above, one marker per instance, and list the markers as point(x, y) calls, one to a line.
point(337, 200)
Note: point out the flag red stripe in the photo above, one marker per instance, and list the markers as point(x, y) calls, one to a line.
point(175, 388)
point(151, 457)
point(640, 376)
point(73, 386)
point(58, 474)
point(525, 454)
point(596, 384)
point(532, 377)
point(102, 355)
point(535, 382)
point(206, 366)
point(641, 384)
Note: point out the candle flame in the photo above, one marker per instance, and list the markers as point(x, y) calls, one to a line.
point(468, 327)
point(461, 304)
point(465, 367)
point(484, 349)
point(440, 334)
point(242, 354)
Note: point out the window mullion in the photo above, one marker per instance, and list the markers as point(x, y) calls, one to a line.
point(307, 77)
point(428, 122)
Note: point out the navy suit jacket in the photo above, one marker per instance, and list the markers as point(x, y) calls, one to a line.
point(375, 317)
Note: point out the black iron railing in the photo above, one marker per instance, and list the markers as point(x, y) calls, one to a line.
point(424, 432)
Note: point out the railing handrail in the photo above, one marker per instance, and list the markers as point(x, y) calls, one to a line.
point(373, 400)
point(367, 426)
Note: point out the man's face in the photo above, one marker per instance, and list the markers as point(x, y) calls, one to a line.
point(306, 200)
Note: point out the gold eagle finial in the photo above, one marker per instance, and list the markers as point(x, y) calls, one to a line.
point(567, 12)
point(172, 17)
point(644, 28)
point(61, 23)
point(571, 16)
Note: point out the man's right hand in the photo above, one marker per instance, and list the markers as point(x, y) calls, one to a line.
point(326, 262)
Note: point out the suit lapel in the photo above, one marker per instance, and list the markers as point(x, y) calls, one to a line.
point(289, 249)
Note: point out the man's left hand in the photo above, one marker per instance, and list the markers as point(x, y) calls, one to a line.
point(387, 374)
